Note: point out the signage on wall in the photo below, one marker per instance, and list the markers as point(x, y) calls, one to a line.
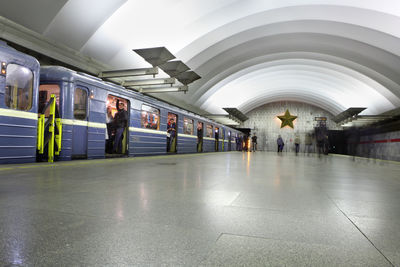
point(320, 118)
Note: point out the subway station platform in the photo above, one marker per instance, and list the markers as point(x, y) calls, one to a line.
point(218, 209)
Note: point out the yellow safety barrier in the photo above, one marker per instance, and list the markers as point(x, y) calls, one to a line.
point(54, 130)
point(51, 128)
point(40, 134)
point(58, 136)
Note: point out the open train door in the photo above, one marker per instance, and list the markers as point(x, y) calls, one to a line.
point(49, 132)
point(172, 133)
point(200, 131)
point(117, 126)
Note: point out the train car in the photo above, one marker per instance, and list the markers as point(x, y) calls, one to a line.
point(87, 104)
point(19, 81)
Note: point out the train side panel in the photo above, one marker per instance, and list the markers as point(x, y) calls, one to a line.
point(18, 106)
point(147, 142)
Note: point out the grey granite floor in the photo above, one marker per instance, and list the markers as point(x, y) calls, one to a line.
point(219, 209)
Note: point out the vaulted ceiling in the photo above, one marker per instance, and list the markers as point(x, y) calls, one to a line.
point(333, 54)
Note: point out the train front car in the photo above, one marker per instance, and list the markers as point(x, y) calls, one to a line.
point(19, 81)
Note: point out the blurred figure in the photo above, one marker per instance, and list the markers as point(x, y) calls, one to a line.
point(280, 144)
point(321, 137)
point(297, 143)
point(171, 133)
point(352, 140)
point(308, 144)
point(326, 144)
point(254, 142)
point(199, 137)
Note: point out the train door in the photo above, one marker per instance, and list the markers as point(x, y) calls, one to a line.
point(216, 139)
point(45, 93)
point(229, 141)
point(80, 130)
point(199, 136)
point(117, 121)
point(172, 132)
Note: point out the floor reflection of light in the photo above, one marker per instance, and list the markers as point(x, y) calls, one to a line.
point(228, 166)
point(248, 164)
point(143, 196)
point(277, 180)
point(198, 181)
point(120, 209)
point(16, 251)
point(184, 182)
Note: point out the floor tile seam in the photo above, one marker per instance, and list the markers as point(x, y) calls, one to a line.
point(359, 230)
point(369, 201)
point(233, 201)
point(374, 218)
point(307, 214)
point(283, 240)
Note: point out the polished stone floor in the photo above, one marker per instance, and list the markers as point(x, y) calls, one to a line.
point(218, 209)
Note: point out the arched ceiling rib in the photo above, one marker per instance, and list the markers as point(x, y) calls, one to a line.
point(260, 23)
point(367, 76)
point(286, 49)
point(308, 99)
point(366, 59)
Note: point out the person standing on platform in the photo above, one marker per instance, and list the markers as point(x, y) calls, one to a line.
point(297, 143)
point(254, 142)
point(280, 144)
point(199, 138)
point(120, 122)
point(110, 130)
point(308, 144)
point(171, 131)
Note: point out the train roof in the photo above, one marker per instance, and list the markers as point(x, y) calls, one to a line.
point(53, 73)
point(12, 55)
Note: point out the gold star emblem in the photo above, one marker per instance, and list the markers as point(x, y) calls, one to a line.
point(287, 119)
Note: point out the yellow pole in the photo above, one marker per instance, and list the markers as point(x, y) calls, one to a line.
point(40, 141)
point(58, 136)
point(51, 128)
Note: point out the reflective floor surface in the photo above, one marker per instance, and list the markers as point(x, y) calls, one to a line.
point(218, 209)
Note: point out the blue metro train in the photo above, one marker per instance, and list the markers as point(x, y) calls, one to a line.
point(56, 112)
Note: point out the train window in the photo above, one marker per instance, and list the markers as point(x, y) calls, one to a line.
point(187, 126)
point(80, 103)
point(19, 87)
point(209, 131)
point(150, 117)
point(45, 92)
